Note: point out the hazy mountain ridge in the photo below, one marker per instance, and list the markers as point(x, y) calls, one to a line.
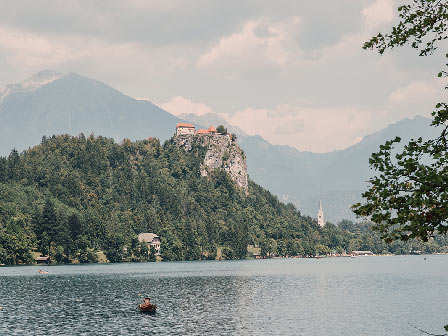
point(30, 84)
point(75, 104)
point(338, 178)
point(49, 103)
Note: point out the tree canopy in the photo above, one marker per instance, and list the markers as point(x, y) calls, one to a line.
point(409, 196)
point(221, 129)
point(423, 23)
point(71, 197)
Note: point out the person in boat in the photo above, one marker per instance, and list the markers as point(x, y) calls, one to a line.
point(147, 306)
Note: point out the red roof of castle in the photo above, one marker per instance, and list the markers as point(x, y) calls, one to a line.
point(184, 125)
point(211, 129)
point(202, 131)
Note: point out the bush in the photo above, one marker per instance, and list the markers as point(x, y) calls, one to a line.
point(87, 256)
point(221, 130)
point(228, 253)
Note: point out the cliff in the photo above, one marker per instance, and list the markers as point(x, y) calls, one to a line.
point(222, 153)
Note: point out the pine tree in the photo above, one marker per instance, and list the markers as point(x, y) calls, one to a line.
point(47, 227)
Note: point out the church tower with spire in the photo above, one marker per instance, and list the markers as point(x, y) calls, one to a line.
point(320, 215)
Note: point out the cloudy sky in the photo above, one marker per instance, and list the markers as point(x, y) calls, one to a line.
point(291, 71)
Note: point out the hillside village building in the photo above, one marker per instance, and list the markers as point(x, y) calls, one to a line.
point(152, 240)
point(320, 216)
point(42, 260)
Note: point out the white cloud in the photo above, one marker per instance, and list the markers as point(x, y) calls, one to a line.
point(349, 46)
point(31, 50)
point(417, 91)
point(378, 13)
point(308, 128)
point(179, 105)
point(260, 44)
point(265, 44)
point(100, 59)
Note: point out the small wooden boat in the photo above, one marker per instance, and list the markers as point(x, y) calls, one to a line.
point(147, 308)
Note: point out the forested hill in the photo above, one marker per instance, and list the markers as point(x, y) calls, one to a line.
point(52, 103)
point(72, 196)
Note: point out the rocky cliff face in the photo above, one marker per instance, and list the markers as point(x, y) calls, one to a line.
point(222, 153)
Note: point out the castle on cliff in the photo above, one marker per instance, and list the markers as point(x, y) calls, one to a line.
point(222, 152)
point(189, 129)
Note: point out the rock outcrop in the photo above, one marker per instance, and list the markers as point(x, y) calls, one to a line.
point(222, 153)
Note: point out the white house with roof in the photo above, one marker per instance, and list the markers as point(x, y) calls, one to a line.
point(182, 128)
point(151, 239)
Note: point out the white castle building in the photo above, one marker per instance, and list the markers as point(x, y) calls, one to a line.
point(320, 216)
point(189, 129)
point(182, 129)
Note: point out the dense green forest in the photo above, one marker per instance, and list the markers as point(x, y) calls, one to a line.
point(70, 197)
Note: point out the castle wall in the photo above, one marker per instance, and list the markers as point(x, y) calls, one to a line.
point(184, 130)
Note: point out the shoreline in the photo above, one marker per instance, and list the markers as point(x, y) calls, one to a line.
point(215, 260)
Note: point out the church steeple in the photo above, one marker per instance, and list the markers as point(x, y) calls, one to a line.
point(320, 215)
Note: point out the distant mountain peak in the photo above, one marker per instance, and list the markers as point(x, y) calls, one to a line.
point(78, 76)
point(31, 84)
point(41, 78)
point(50, 103)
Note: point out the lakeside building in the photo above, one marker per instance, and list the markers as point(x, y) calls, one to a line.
point(42, 260)
point(320, 215)
point(361, 253)
point(151, 239)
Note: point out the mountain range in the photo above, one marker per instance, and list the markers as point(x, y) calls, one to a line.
point(337, 178)
point(50, 103)
point(75, 104)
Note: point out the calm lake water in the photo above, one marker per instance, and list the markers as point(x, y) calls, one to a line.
point(334, 296)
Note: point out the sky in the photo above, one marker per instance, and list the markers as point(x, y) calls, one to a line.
point(293, 71)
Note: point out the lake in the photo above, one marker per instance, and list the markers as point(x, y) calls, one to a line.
point(332, 296)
